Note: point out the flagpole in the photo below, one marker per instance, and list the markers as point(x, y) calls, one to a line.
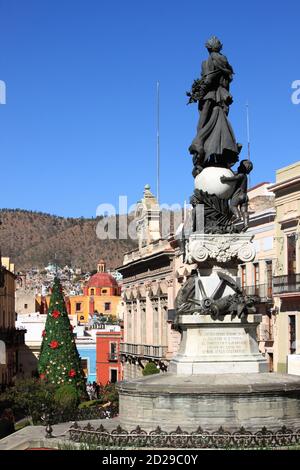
point(157, 146)
point(248, 129)
point(248, 137)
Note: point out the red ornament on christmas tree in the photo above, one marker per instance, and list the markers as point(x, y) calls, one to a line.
point(54, 344)
point(72, 373)
point(55, 314)
point(42, 376)
point(44, 333)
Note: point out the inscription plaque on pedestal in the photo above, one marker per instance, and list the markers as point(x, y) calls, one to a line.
point(221, 342)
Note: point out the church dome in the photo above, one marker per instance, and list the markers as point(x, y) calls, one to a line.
point(102, 280)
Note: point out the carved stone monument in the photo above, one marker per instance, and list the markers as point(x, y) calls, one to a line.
point(218, 377)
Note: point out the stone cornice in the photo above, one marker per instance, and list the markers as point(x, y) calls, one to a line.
point(146, 276)
point(284, 184)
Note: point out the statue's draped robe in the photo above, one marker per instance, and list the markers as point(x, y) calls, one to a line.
point(215, 141)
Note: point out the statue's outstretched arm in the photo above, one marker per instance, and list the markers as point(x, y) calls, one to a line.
point(229, 179)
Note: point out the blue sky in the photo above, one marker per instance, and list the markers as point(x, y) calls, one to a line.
point(79, 125)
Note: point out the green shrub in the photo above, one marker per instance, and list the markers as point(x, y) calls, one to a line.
point(112, 397)
point(90, 403)
point(66, 397)
point(29, 396)
point(110, 394)
point(150, 369)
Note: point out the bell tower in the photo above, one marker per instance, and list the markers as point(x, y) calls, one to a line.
point(101, 266)
point(147, 219)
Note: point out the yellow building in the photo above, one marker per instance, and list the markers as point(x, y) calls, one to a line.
point(286, 284)
point(101, 295)
point(11, 339)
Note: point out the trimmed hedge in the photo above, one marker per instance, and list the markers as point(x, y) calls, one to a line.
point(66, 396)
point(150, 369)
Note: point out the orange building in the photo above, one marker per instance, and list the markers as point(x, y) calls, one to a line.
point(108, 365)
point(101, 295)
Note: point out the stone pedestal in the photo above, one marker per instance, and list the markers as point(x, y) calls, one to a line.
point(252, 401)
point(217, 347)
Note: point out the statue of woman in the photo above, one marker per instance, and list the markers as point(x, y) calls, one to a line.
point(215, 142)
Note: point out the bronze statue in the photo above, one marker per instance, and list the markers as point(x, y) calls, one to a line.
point(239, 200)
point(236, 304)
point(215, 142)
point(215, 151)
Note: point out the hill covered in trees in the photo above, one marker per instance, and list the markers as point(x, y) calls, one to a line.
point(33, 239)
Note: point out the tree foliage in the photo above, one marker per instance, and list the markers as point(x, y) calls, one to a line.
point(59, 361)
point(35, 239)
point(30, 396)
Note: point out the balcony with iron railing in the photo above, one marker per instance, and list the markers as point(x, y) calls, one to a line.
point(113, 357)
point(263, 291)
point(156, 352)
point(288, 284)
point(129, 348)
point(144, 350)
point(265, 333)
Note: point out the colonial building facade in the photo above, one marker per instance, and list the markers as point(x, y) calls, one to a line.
point(257, 276)
point(151, 279)
point(287, 270)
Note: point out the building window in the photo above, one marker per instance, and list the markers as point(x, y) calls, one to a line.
point(104, 291)
point(107, 306)
point(292, 334)
point(291, 254)
point(113, 375)
point(256, 278)
point(81, 317)
point(129, 326)
point(25, 306)
point(84, 366)
point(78, 306)
point(143, 325)
point(113, 353)
point(243, 276)
point(269, 276)
point(271, 362)
point(155, 326)
point(92, 292)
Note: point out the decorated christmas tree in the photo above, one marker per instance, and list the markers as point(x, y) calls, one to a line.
point(59, 361)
